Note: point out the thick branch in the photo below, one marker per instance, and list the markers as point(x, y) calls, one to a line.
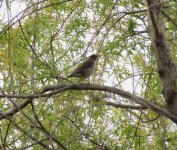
point(54, 89)
point(166, 67)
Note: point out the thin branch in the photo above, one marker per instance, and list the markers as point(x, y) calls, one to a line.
point(26, 133)
point(32, 145)
point(124, 106)
point(87, 136)
point(42, 128)
point(170, 19)
point(7, 131)
point(14, 21)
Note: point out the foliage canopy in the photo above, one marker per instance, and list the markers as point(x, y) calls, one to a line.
point(48, 39)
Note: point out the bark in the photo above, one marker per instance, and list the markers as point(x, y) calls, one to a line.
point(166, 67)
point(55, 89)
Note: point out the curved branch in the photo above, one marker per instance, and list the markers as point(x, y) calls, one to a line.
point(54, 89)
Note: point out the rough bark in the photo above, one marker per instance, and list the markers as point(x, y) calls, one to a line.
point(166, 67)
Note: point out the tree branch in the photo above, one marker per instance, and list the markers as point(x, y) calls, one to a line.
point(54, 89)
point(166, 66)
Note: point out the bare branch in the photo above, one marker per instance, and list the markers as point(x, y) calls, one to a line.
point(54, 89)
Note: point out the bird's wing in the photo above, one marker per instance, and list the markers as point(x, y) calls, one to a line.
point(84, 66)
point(82, 69)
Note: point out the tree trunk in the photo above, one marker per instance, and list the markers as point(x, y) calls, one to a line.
point(166, 67)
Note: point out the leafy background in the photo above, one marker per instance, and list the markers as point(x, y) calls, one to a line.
point(50, 38)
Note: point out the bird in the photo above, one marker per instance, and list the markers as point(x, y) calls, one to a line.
point(85, 69)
